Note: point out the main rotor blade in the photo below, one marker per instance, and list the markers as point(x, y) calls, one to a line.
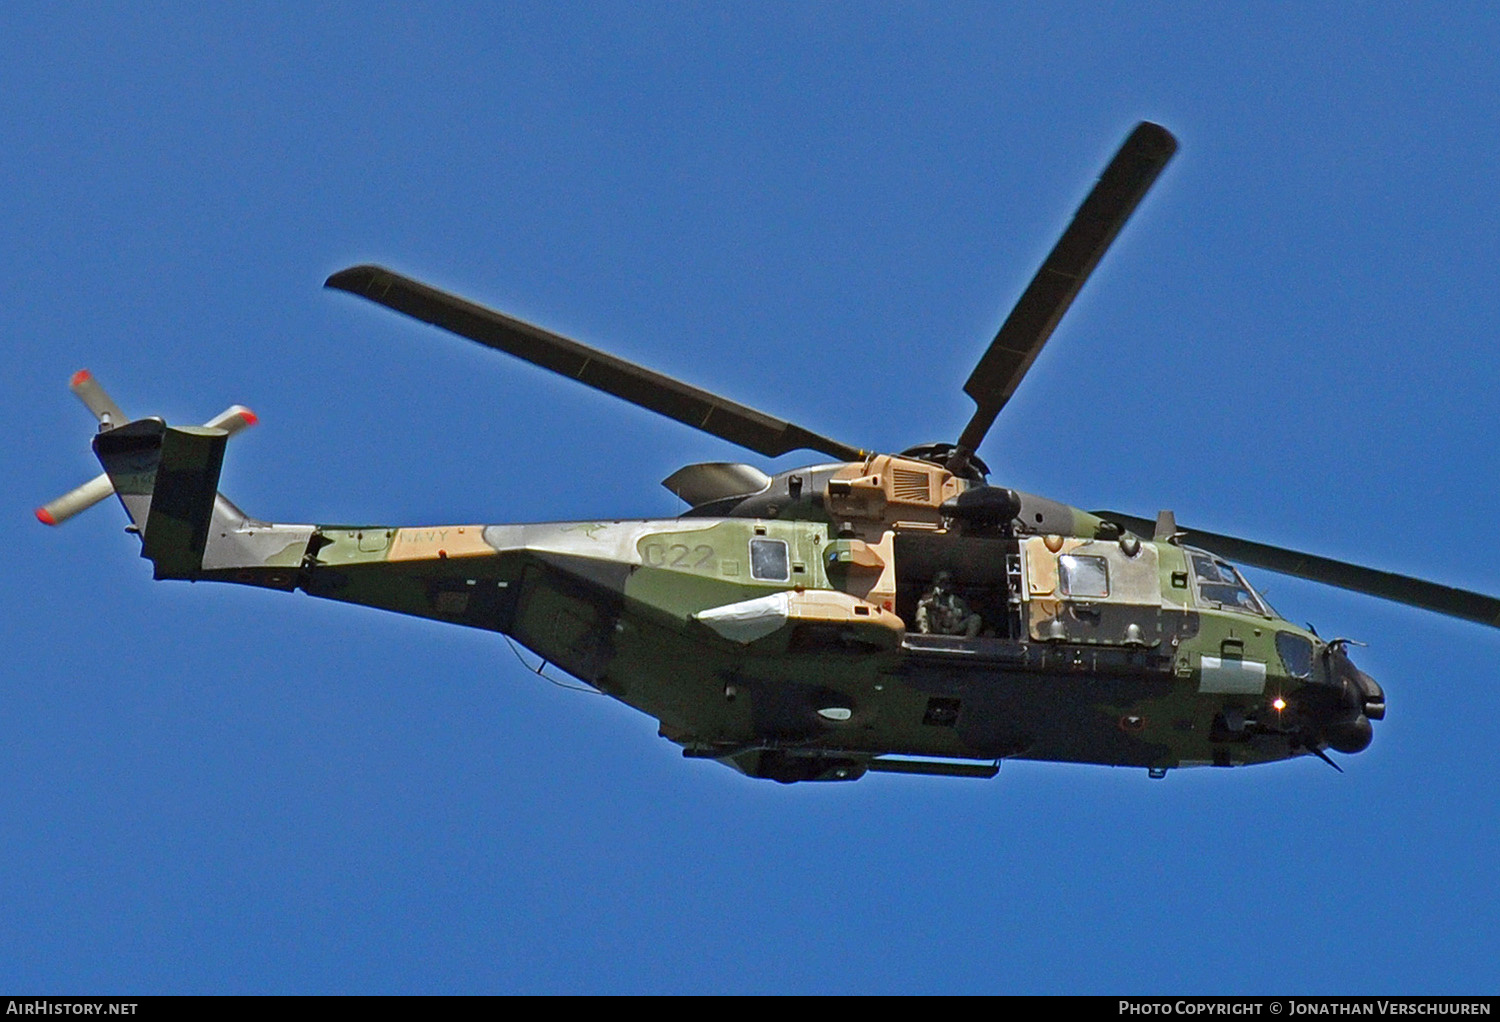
point(719, 416)
point(1414, 592)
point(1119, 190)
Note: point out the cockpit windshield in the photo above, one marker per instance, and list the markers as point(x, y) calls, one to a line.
point(1220, 583)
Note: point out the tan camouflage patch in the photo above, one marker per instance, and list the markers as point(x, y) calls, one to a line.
point(438, 542)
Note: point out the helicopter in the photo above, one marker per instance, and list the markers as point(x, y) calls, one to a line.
point(871, 612)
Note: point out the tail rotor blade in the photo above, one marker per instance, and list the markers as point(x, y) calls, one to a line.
point(231, 420)
point(96, 399)
point(80, 498)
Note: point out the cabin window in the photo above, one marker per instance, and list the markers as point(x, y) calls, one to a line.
point(1219, 582)
point(1083, 576)
point(1296, 653)
point(769, 561)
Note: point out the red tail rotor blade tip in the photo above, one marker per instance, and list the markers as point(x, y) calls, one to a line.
point(79, 377)
point(250, 417)
point(45, 517)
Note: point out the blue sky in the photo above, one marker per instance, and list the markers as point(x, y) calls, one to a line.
point(824, 211)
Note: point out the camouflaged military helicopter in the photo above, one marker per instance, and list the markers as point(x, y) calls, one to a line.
point(885, 612)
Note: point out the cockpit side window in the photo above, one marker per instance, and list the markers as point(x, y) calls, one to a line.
point(1219, 582)
point(1296, 653)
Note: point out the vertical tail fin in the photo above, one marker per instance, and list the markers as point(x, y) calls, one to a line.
point(168, 480)
point(131, 455)
point(167, 477)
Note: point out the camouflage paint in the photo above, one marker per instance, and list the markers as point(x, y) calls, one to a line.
point(807, 673)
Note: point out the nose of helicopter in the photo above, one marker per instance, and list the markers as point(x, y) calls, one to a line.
point(1372, 694)
point(1358, 700)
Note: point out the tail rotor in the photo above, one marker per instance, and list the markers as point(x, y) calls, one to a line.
point(97, 400)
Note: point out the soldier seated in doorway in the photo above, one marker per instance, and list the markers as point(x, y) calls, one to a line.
point(941, 611)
